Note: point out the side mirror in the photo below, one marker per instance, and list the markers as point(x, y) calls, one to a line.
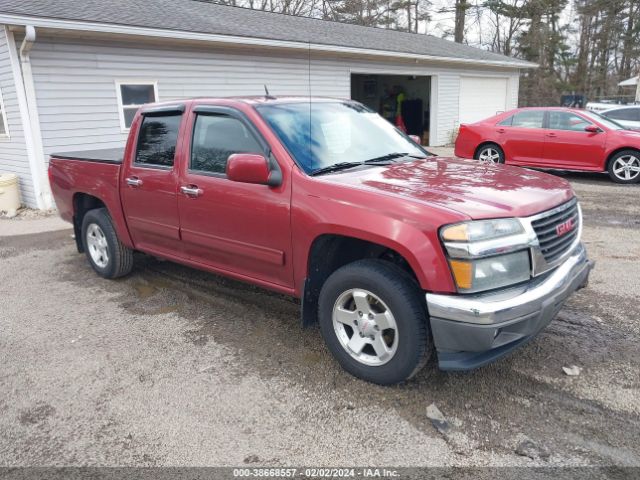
point(591, 129)
point(416, 139)
point(251, 168)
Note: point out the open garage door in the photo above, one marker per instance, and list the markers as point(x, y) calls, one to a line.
point(481, 97)
point(389, 94)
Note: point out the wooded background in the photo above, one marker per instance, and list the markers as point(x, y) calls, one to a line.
point(582, 46)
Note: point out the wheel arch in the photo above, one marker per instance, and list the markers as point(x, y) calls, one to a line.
point(84, 202)
point(328, 252)
point(615, 152)
point(484, 144)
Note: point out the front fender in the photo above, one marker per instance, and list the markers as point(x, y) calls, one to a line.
point(389, 223)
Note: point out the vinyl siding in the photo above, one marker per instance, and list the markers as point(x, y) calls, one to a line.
point(514, 86)
point(13, 151)
point(76, 84)
point(76, 92)
point(448, 107)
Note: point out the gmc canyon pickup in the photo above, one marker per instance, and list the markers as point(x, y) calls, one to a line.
point(394, 252)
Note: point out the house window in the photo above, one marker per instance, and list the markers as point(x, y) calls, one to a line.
point(4, 126)
point(131, 96)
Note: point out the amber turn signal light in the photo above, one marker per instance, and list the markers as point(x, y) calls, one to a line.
point(462, 273)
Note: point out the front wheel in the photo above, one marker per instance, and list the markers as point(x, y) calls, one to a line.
point(373, 320)
point(624, 167)
point(105, 252)
point(490, 153)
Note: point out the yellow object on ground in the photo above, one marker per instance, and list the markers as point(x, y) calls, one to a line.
point(9, 194)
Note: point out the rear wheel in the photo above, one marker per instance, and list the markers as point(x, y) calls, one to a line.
point(490, 153)
point(374, 322)
point(105, 252)
point(624, 167)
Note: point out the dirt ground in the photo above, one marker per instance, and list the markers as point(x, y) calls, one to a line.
point(173, 367)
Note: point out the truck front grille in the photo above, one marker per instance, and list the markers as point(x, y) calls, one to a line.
point(558, 230)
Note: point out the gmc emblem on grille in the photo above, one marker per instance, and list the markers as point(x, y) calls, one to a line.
point(564, 227)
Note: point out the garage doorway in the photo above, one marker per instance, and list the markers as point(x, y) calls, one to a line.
point(381, 93)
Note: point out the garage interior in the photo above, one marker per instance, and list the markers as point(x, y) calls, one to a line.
point(375, 91)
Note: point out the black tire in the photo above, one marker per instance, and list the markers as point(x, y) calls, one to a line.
point(633, 156)
point(402, 296)
point(482, 149)
point(120, 258)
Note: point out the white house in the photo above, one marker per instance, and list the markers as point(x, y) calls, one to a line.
point(72, 73)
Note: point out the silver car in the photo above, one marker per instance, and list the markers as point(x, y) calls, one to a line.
point(628, 116)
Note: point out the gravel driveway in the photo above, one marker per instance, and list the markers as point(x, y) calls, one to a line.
point(172, 366)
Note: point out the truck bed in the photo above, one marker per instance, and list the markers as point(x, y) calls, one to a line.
point(105, 155)
point(87, 176)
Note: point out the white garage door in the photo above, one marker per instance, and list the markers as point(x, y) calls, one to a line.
point(481, 98)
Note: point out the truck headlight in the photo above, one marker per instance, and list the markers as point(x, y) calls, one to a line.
point(482, 230)
point(487, 254)
point(491, 272)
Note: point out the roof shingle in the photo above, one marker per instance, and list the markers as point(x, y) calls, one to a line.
point(210, 18)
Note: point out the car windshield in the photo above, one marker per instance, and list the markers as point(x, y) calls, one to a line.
point(607, 122)
point(322, 135)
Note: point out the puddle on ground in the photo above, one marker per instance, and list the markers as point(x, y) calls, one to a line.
point(144, 290)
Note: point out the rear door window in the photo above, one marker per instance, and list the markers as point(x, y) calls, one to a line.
point(528, 119)
point(157, 140)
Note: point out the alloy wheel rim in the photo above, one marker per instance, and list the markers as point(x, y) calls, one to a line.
point(627, 167)
point(365, 327)
point(98, 246)
point(489, 155)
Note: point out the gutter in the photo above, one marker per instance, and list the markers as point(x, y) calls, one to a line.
point(40, 179)
point(25, 93)
point(118, 29)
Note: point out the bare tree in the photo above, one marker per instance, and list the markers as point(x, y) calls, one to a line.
point(461, 14)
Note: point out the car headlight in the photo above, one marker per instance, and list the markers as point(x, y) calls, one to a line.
point(487, 254)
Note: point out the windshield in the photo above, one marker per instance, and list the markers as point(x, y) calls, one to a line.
point(607, 122)
point(321, 134)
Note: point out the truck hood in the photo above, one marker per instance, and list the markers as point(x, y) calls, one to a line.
point(475, 189)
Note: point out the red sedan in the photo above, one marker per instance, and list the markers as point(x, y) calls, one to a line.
point(554, 138)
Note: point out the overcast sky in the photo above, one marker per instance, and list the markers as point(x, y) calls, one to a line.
point(476, 28)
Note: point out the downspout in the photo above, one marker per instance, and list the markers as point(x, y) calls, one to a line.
point(37, 160)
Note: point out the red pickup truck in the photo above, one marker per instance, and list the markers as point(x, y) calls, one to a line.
point(397, 254)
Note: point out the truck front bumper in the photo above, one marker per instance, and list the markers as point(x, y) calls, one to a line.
point(470, 331)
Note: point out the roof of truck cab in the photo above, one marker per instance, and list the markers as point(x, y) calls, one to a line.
point(247, 100)
point(264, 99)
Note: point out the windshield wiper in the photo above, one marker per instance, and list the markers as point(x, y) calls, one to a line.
point(336, 167)
point(386, 158)
point(390, 156)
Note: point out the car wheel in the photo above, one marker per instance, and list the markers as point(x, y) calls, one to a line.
point(490, 153)
point(624, 167)
point(373, 320)
point(106, 254)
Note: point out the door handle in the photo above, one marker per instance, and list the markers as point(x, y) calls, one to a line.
point(133, 181)
point(192, 191)
point(552, 135)
point(501, 130)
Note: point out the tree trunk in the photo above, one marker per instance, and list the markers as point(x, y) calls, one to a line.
point(461, 10)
